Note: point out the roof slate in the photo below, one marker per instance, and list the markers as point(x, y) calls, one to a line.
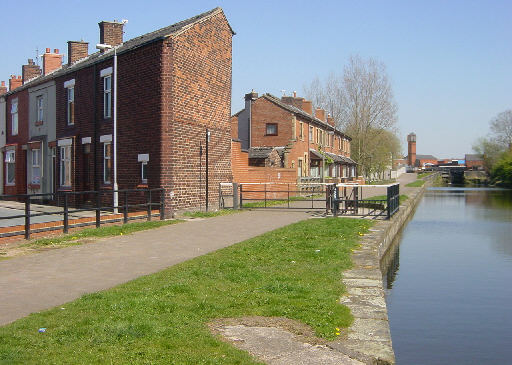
point(122, 48)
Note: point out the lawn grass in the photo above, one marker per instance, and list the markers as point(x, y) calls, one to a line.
point(106, 231)
point(421, 175)
point(292, 272)
point(416, 184)
point(272, 203)
point(382, 182)
point(200, 214)
point(403, 198)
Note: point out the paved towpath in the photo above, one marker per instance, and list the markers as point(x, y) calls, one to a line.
point(36, 282)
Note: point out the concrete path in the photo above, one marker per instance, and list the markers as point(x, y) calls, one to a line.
point(37, 282)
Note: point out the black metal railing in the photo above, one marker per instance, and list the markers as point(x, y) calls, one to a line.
point(353, 205)
point(132, 200)
point(279, 196)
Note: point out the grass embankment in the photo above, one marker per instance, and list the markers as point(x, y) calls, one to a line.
point(382, 182)
point(402, 199)
point(416, 184)
point(216, 213)
point(292, 272)
point(273, 203)
point(106, 231)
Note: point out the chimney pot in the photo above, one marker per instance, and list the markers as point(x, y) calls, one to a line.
point(3, 83)
point(51, 61)
point(295, 94)
point(47, 50)
point(56, 50)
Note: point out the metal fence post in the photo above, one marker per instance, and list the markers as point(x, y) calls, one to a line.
point(241, 197)
point(388, 199)
point(149, 205)
point(98, 207)
point(125, 207)
point(288, 195)
point(235, 195)
point(27, 217)
point(66, 222)
point(265, 196)
point(162, 204)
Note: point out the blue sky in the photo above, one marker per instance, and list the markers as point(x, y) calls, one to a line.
point(450, 62)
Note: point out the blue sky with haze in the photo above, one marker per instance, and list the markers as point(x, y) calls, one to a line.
point(449, 62)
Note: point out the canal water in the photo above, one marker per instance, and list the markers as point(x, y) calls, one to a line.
point(449, 280)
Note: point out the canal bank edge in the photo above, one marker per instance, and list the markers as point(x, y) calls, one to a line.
point(368, 339)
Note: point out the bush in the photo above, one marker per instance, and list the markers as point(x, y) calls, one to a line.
point(501, 172)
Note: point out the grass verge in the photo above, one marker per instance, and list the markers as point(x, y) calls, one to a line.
point(272, 203)
point(416, 184)
point(199, 214)
point(114, 230)
point(421, 175)
point(291, 272)
point(403, 198)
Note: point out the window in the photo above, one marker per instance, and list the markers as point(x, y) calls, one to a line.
point(65, 166)
point(36, 166)
point(107, 162)
point(14, 117)
point(71, 105)
point(271, 129)
point(301, 131)
point(40, 108)
point(144, 172)
point(311, 134)
point(10, 164)
point(107, 96)
point(318, 136)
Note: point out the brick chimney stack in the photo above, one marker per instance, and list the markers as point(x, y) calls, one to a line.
point(3, 88)
point(307, 106)
point(30, 71)
point(51, 61)
point(15, 82)
point(320, 114)
point(111, 33)
point(77, 50)
point(411, 149)
point(330, 120)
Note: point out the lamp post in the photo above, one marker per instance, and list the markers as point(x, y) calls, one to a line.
point(116, 194)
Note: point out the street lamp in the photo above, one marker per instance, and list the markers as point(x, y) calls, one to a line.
point(104, 47)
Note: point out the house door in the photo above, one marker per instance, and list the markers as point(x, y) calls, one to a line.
point(88, 176)
point(299, 168)
point(53, 169)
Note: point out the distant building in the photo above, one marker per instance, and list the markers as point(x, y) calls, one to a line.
point(474, 162)
point(414, 160)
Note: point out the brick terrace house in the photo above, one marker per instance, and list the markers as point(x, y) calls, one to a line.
point(284, 133)
point(474, 161)
point(172, 84)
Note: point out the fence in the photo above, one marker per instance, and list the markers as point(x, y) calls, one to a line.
point(133, 201)
point(340, 199)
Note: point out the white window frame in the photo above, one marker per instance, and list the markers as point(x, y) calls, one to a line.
point(14, 117)
point(144, 176)
point(10, 159)
point(40, 108)
point(65, 165)
point(107, 96)
point(36, 164)
point(106, 160)
point(70, 104)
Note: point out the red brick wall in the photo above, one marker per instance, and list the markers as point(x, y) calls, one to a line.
point(196, 95)
point(263, 112)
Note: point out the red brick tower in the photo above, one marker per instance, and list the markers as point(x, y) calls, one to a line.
point(411, 150)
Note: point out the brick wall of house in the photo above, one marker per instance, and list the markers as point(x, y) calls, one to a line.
point(263, 112)
point(196, 95)
point(18, 140)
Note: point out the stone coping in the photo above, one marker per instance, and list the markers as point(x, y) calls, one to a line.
point(369, 337)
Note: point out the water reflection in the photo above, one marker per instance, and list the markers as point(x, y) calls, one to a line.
point(448, 279)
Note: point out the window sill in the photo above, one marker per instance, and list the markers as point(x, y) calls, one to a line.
point(270, 135)
point(142, 186)
point(38, 123)
point(106, 187)
point(10, 184)
point(65, 188)
point(34, 186)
